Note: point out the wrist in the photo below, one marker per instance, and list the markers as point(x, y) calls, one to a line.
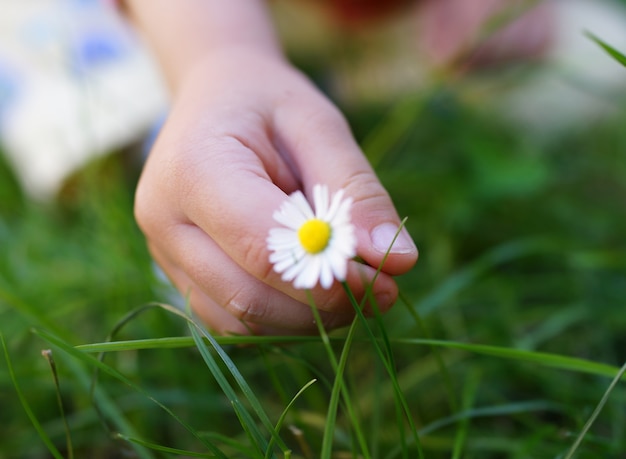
point(235, 61)
point(244, 69)
point(186, 33)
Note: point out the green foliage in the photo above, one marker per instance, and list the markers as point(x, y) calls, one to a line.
point(510, 330)
point(614, 53)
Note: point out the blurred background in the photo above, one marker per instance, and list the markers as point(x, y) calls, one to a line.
point(512, 173)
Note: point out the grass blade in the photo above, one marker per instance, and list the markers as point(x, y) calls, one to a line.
point(161, 448)
point(199, 332)
point(339, 387)
point(398, 394)
point(283, 415)
point(466, 276)
point(233, 442)
point(615, 54)
point(443, 369)
point(86, 358)
point(550, 360)
point(29, 412)
point(176, 342)
point(596, 412)
point(500, 410)
point(234, 371)
point(468, 400)
point(245, 418)
point(47, 354)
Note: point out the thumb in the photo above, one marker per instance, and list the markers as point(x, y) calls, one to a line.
point(319, 142)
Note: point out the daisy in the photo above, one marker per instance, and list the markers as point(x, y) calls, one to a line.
point(314, 245)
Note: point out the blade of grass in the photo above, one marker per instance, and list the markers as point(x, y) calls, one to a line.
point(90, 360)
point(161, 448)
point(234, 371)
point(554, 325)
point(29, 312)
point(492, 411)
point(233, 442)
point(47, 354)
point(443, 369)
point(398, 394)
point(469, 395)
point(175, 342)
point(596, 412)
point(339, 387)
point(468, 275)
point(546, 359)
point(393, 128)
point(500, 410)
point(283, 415)
point(29, 412)
point(245, 418)
point(249, 428)
point(376, 417)
point(388, 362)
point(555, 360)
point(615, 54)
point(322, 331)
point(386, 355)
point(230, 365)
point(106, 406)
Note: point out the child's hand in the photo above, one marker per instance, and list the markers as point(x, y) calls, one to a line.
point(245, 131)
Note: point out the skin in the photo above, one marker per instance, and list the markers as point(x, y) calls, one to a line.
point(461, 33)
point(245, 130)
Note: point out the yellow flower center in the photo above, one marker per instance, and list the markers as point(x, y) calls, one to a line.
point(314, 235)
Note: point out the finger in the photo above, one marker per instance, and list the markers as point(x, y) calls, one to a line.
point(245, 315)
point(231, 197)
point(242, 222)
point(318, 138)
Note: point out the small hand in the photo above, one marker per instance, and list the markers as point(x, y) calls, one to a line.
point(243, 133)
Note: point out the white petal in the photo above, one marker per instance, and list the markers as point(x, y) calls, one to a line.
point(308, 277)
point(320, 201)
point(283, 243)
point(290, 216)
point(283, 265)
point(295, 269)
point(291, 254)
point(336, 204)
point(326, 273)
point(344, 241)
point(284, 260)
point(341, 212)
point(294, 211)
point(339, 266)
point(303, 206)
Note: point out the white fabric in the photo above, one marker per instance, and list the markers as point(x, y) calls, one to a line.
point(77, 84)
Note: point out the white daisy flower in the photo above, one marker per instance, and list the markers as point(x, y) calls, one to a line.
point(315, 245)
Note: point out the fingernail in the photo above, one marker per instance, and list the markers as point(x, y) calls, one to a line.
point(383, 236)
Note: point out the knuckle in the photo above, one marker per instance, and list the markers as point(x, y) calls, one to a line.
point(246, 307)
point(333, 321)
point(365, 188)
point(255, 256)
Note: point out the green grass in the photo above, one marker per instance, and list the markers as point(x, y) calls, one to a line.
point(506, 343)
